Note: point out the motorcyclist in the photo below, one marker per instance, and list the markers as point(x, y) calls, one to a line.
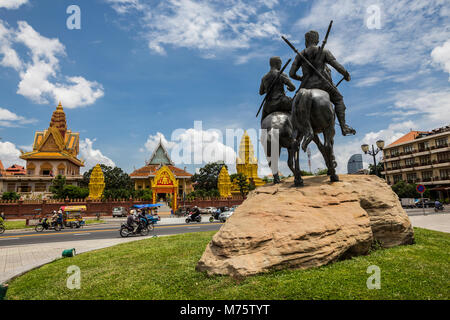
point(132, 221)
point(142, 217)
point(195, 212)
point(54, 218)
point(60, 218)
point(437, 204)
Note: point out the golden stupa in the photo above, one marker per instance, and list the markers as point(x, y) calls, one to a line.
point(224, 184)
point(246, 161)
point(96, 183)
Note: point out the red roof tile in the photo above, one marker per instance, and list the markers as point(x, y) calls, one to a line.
point(410, 136)
point(151, 169)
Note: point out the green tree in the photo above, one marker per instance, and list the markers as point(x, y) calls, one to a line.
point(10, 196)
point(380, 168)
point(306, 173)
point(321, 172)
point(208, 176)
point(57, 187)
point(115, 178)
point(409, 190)
point(74, 192)
point(241, 181)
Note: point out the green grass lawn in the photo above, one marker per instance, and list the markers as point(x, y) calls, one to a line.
point(93, 221)
point(16, 224)
point(164, 268)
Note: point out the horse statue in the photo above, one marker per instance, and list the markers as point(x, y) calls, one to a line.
point(287, 131)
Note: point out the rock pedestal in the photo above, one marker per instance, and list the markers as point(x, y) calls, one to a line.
point(280, 226)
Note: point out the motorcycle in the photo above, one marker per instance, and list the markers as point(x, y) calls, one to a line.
point(45, 225)
point(214, 216)
point(197, 218)
point(126, 230)
point(439, 208)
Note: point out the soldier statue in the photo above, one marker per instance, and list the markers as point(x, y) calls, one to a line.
point(311, 80)
point(276, 99)
point(291, 122)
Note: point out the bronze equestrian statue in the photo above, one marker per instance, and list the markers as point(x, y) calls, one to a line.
point(312, 109)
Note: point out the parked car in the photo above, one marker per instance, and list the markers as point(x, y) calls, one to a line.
point(427, 203)
point(408, 202)
point(119, 212)
point(211, 210)
point(225, 215)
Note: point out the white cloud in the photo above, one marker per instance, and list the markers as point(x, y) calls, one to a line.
point(208, 26)
point(193, 146)
point(9, 154)
point(41, 79)
point(93, 156)
point(409, 30)
point(441, 55)
point(12, 4)
point(153, 141)
point(10, 119)
point(124, 6)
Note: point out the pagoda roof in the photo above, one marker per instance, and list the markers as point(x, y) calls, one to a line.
point(56, 142)
point(151, 169)
point(15, 170)
point(55, 155)
point(160, 156)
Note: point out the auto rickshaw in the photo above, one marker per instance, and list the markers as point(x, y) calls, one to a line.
point(73, 217)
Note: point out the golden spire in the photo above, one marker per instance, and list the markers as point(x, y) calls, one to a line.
point(58, 120)
point(246, 151)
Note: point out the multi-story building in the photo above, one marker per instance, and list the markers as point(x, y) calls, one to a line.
point(55, 152)
point(420, 157)
point(355, 164)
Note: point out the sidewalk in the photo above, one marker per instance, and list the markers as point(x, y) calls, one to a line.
point(434, 221)
point(17, 260)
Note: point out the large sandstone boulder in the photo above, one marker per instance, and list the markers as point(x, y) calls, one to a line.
point(280, 226)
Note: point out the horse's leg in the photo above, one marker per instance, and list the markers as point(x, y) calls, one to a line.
point(298, 174)
point(328, 135)
point(323, 151)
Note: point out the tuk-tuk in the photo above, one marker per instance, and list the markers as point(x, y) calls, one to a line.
point(72, 216)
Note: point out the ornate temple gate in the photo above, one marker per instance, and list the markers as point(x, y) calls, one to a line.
point(165, 182)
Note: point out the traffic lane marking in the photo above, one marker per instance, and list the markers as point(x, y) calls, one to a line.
point(104, 230)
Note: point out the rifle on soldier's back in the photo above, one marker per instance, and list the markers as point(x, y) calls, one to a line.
point(272, 85)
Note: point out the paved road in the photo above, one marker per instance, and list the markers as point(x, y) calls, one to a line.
point(428, 211)
point(106, 231)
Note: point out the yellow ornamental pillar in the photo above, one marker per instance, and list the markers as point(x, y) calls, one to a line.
point(224, 183)
point(96, 183)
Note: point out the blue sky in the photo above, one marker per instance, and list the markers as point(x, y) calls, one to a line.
point(138, 70)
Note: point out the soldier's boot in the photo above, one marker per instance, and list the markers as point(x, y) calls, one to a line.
point(340, 113)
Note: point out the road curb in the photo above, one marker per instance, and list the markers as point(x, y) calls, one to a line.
point(23, 270)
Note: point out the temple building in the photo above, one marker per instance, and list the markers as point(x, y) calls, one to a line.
point(55, 152)
point(162, 177)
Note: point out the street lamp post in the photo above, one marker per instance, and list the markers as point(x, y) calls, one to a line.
point(373, 152)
